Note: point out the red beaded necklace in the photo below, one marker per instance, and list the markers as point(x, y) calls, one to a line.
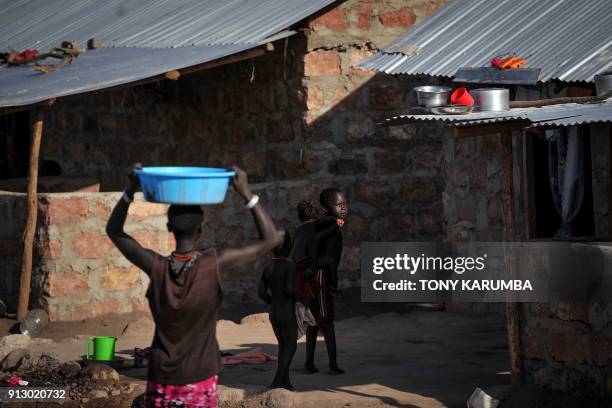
point(183, 258)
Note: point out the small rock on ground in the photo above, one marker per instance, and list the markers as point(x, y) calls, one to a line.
point(48, 358)
point(101, 373)
point(237, 393)
point(16, 359)
point(256, 318)
point(280, 398)
point(12, 342)
point(129, 388)
point(223, 324)
point(98, 394)
point(70, 369)
point(15, 341)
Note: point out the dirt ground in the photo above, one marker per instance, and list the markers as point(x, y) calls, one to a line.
point(410, 359)
point(419, 359)
point(407, 358)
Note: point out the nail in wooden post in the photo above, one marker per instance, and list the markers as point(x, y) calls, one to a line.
point(30, 230)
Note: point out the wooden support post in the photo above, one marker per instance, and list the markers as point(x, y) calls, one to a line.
point(30, 230)
point(512, 308)
point(529, 187)
point(609, 136)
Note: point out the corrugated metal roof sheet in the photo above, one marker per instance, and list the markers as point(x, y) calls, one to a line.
point(140, 38)
point(569, 114)
point(103, 68)
point(147, 23)
point(569, 40)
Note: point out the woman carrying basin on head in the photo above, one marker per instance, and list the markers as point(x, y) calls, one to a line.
point(184, 294)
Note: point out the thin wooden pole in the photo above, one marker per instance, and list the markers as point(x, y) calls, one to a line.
point(529, 187)
point(512, 308)
point(608, 129)
point(30, 230)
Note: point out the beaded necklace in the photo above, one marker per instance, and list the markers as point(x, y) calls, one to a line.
point(187, 259)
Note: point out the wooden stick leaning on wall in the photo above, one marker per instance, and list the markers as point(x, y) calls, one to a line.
point(30, 230)
point(512, 308)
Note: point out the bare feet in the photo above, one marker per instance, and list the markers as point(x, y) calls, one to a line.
point(335, 370)
point(310, 369)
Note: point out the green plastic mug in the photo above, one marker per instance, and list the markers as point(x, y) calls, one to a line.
point(103, 347)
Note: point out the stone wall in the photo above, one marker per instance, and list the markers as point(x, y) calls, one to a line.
point(568, 347)
point(77, 272)
point(473, 194)
point(473, 198)
point(81, 272)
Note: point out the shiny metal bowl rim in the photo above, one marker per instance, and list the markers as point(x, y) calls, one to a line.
point(432, 89)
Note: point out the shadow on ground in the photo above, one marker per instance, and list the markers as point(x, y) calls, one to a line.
point(418, 359)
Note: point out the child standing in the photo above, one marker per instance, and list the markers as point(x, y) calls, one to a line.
point(279, 279)
point(325, 252)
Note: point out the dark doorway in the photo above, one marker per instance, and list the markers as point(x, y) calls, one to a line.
point(547, 218)
point(14, 145)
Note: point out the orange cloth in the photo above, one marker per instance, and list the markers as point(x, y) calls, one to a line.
point(253, 356)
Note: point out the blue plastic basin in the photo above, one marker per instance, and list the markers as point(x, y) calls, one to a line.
point(184, 185)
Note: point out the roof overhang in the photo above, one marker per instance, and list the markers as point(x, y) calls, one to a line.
point(481, 123)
